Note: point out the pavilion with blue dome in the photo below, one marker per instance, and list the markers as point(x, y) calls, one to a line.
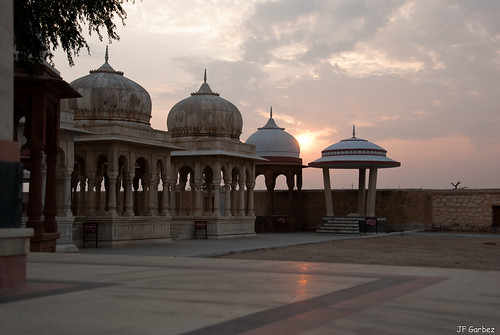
point(352, 153)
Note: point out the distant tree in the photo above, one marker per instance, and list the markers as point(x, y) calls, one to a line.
point(455, 186)
point(40, 26)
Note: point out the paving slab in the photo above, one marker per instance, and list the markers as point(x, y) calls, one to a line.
point(92, 293)
point(207, 247)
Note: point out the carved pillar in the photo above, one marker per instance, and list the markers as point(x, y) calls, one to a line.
point(120, 205)
point(298, 199)
point(34, 210)
point(241, 209)
point(290, 183)
point(82, 206)
point(192, 194)
point(209, 197)
point(250, 187)
point(66, 194)
point(299, 179)
point(182, 195)
point(129, 200)
point(270, 184)
point(50, 207)
point(216, 197)
point(98, 195)
point(167, 184)
point(146, 186)
point(197, 197)
point(328, 192)
point(60, 193)
point(91, 207)
point(361, 192)
point(165, 198)
point(234, 203)
point(173, 196)
point(227, 191)
point(153, 197)
point(112, 194)
point(372, 191)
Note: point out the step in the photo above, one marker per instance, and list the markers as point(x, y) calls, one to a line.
point(333, 232)
point(338, 229)
point(340, 225)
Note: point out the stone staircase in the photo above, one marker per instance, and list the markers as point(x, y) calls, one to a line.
point(339, 225)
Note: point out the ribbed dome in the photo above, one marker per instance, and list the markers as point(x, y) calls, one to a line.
point(109, 96)
point(273, 141)
point(205, 113)
point(354, 153)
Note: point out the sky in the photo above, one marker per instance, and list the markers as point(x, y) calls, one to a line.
point(419, 78)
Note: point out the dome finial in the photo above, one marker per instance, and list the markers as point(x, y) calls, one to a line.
point(353, 131)
point(205, 88)
point(271, 113)
point(106, 56)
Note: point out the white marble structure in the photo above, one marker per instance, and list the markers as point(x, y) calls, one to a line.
point(65, 164)
point(215, 176)
point(142, 185)
point(119, 162)
point(282, 153)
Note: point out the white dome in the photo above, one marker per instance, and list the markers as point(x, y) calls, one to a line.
point(109, 96)
point(204, 113)
point(273, 141)
point(354, 153)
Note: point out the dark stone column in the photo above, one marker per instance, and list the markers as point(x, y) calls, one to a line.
point(269, 224)
point(34, 209)
point(11, 179)
point(50, 207)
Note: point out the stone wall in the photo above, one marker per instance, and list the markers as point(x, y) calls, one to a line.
point(405, 209)
point(470, 210)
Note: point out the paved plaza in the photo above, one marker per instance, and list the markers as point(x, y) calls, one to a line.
point(170, 289)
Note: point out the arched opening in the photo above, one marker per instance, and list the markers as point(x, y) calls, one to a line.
point(185, 182)
point(101, 202)
point(280, 182)
point(121, 185)
point(250, 185)
point(260, 182)
point(141, 186)
point(208, 188)
point(161, 188)
point(235, 188)
point(78, 183)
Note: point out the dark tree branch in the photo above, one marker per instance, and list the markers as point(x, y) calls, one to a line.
point(41, 26)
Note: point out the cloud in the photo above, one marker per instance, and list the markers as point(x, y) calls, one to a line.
point(320, 28)
point(415, 71)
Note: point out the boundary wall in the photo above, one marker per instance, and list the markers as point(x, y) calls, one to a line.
point(405, 209)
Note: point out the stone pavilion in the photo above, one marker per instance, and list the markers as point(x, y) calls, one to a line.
point(360, 154)
point(140, 185)
point(282, 153)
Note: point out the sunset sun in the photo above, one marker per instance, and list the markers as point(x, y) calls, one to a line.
point(306, 140)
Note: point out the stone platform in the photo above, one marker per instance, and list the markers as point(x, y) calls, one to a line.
point(118, 291)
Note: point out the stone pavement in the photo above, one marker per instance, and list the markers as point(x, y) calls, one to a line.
point(146, 291)
point(204, 248)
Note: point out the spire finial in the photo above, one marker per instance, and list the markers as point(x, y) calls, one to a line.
point(353, 131)
point(271, 113)
point(205, 76)
point(106, 57)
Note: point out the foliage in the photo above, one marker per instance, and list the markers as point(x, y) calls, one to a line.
point(40, 26)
